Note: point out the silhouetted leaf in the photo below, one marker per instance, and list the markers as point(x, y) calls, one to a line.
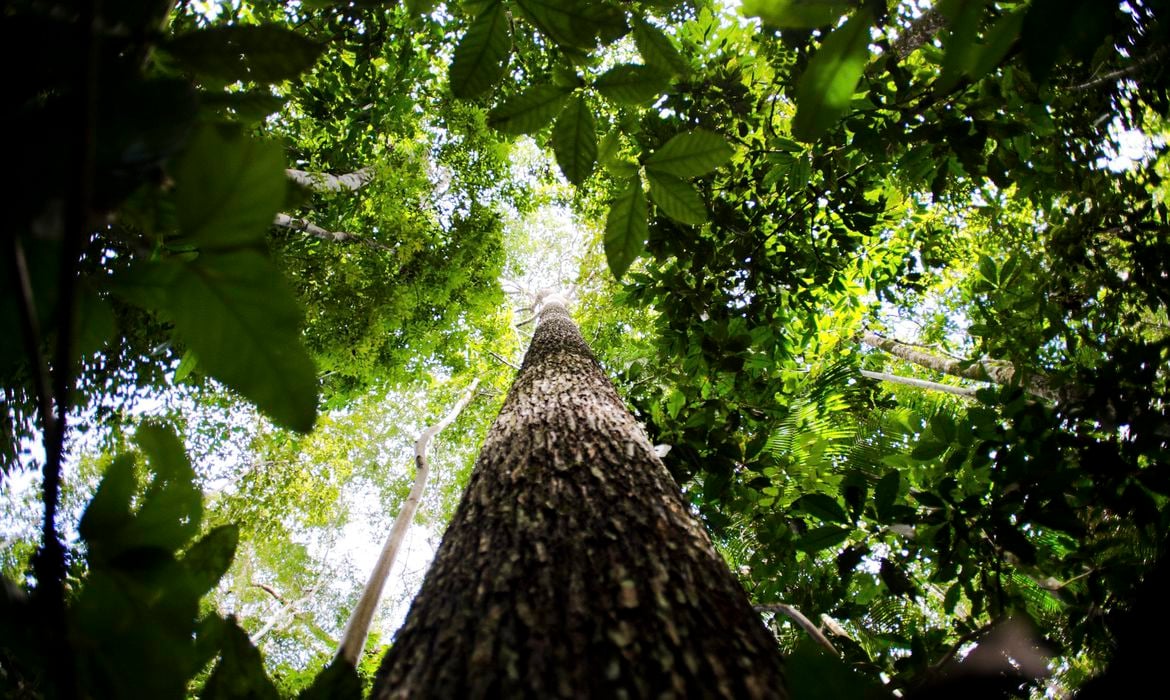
point(482, 54)
point(574, 141)
point(208, 560)
point(822, 537)
point(529, 111)
point(798, 14)
point(265, 53)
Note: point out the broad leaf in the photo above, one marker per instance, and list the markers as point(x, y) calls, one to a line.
point(625, 227)
point(529, 111)
point(657, 49)
point(798, 14)
point(240, 670)
point(482, 54)
point(825, 90)
point(266, 53)
point(208, 559)
point(574, 141)
point(228, 189)
point(172, 506)
point(690, 154)
point(677, 198)
point(570, 23)
point(632, 84)
point(236, 314)
point(108, 511)
point(822, 506)
point(822, 537)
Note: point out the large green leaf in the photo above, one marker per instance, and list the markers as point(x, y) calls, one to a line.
point(625, 227)
point(677, 198)
point(208, 559)
point(529, 111)
point(108, 512)
point(572, 23)
point(822, 506)
point(228, 189)
point(265, 53)
point(657, 49)
point(798, 14)
point(825, 90)
point(632, 84)
point(236, 314)
point(822, 537)
point(239, 674)
point(690, 154)
point(482, 54)
point(574, 141)
point(172, 506)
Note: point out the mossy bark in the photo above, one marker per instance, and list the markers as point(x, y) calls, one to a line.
point(573, 567)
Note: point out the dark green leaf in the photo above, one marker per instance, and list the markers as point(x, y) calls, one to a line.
point(825, 90)
point(625, 227)
point(108, 511)
point(240, 672)
point(529, 111)
point(886, 493)
point(266, 53)
point(482, 54)
point(797, 14)
point(570, 23)
point(815, 674)
point(998, 42)
point(657, 49)
point(943, 427)
point(928, 450)
point(690, 154)
point(228, 189)
point(822, 537)
point(338, 681)
point(632, 84)
point(821, 506)
point(236, 314)
point(247, 106)
point(208, 560)
point(896, 579)
point(677, 198)
point(574, 141)
point(172, 507)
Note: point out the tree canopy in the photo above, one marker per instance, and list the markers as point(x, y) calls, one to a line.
point(888, 278)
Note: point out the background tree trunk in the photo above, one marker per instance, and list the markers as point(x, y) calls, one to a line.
point(573, 567)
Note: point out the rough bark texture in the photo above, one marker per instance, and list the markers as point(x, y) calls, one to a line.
point(573, 567)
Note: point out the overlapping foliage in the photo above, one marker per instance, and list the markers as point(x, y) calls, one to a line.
point(765, 190)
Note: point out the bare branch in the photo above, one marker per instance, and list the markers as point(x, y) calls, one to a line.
point(968, 392)
point(799, 618)
point(504, 360)
point(304, 225)
point(353, 640)
point(1121, 72)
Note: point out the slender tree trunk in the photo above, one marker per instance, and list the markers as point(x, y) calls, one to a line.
point(968, 391)
point(324, 182)
point(358, 628)
point(573, 566)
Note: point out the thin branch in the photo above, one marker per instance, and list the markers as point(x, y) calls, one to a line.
point(353, 640)
point(270, 591)
point(968, 392)
point(805, 623)
point(1121, 72)
point(504, 360)
point(918, 33)
point(31, 333)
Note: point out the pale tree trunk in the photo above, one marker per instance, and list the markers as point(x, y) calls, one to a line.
point(984, 370)
point(967, 391)
point(305, 226)
point(358, 628)
point(573, 566)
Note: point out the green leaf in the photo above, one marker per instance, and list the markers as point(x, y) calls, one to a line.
point(998, 41)
point(186, 366)
point(656, 49)
point(825, 90)
point(960, 40)
point(529, 111)
point(677, 198)
point(690, 154)
point(338, 681)
point(625, 227)
point(248, 106)
point(570, 23)
point(821, 506)
point(823, 537)
point(172, 506)
point(481, 57)
point(236, 314)
point(265, 53)
point(240, 672)
point(885, 493)
point(632, 84)
point(815, 674)
point(987, 269)
point(797, 14)
point(574, 140)
point(928, 450)
point(943, 427)
point(228, 189)
point(108, 512)
point(208, 560)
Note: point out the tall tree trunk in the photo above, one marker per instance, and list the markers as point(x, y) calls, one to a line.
point(573, 566)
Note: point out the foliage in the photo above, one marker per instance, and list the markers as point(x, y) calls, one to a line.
point(763, 187)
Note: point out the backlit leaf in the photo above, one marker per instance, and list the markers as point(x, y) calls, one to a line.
point(690, 154)
point(482, 54)
point(632, 84)
point(625, 227)
point(529, 111)
point(574, 141)
point(825, 90)
point(677, 198)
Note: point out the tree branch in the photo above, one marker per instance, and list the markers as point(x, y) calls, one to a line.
point(324, 182)
point(305, 226)
point(920, 383)
point(805, 623)
point(353, 640)
point(1121, 72)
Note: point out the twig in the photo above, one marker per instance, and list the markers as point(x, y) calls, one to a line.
point(504, 360)
point(305, 226)
point(805, 623)
point(270, 591)
point(1121, 72)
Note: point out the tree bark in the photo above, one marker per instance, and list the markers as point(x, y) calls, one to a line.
point(573, 566)
point(324, 182)
point(968, 391)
